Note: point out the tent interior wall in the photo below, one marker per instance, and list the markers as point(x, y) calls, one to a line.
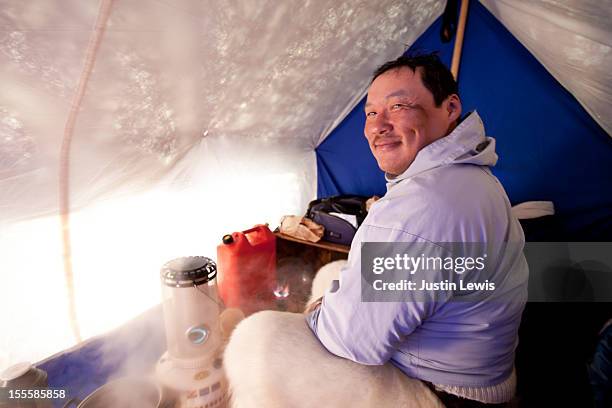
point(202, 118)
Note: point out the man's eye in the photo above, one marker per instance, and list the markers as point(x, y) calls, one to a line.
point(370, 114)
point(397, 106)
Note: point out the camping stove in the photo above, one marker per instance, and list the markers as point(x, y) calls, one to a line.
point(191, 370)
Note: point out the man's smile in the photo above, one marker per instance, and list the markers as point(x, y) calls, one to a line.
point(385, 145)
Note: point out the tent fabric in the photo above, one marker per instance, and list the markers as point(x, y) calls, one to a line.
point(549, 146)
point(573, 40)
point(169, 75)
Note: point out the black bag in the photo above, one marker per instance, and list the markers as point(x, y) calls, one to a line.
point(338, 230)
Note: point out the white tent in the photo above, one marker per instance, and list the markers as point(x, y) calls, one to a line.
point(162, 125)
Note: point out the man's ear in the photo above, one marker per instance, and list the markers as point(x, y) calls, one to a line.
point(453, 107)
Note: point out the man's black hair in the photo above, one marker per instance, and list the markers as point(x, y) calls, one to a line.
point(434, 74)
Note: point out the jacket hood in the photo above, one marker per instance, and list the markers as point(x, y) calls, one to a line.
point(466, 144)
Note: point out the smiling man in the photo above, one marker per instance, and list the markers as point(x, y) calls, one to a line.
point(403, 115)
point(439, 190)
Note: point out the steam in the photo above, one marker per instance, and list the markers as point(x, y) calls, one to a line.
point(133, 349)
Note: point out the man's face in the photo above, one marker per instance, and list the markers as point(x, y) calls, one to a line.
point(401, 118)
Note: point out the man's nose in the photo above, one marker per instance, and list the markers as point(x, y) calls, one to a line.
point(381, 124)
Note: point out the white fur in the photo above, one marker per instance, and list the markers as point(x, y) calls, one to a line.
point(273, 360)
point(324, 278)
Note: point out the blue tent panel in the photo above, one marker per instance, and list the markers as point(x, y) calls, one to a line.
point(344, 162)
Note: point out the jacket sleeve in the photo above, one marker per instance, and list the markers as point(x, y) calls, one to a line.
point(364, 332)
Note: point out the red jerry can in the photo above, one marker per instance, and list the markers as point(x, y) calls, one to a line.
point(246, 263)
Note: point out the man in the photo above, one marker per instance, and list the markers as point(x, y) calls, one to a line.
point(439, 190)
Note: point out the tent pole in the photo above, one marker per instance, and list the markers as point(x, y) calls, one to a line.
point(459, 39)
point(64, 170)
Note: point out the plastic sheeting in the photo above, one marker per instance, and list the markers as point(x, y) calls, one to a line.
point(168, 74)
point(199, 118)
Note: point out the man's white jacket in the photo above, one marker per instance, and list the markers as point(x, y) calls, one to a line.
point(447, 197)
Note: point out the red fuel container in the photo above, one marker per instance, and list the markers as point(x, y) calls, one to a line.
point(246, 263)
